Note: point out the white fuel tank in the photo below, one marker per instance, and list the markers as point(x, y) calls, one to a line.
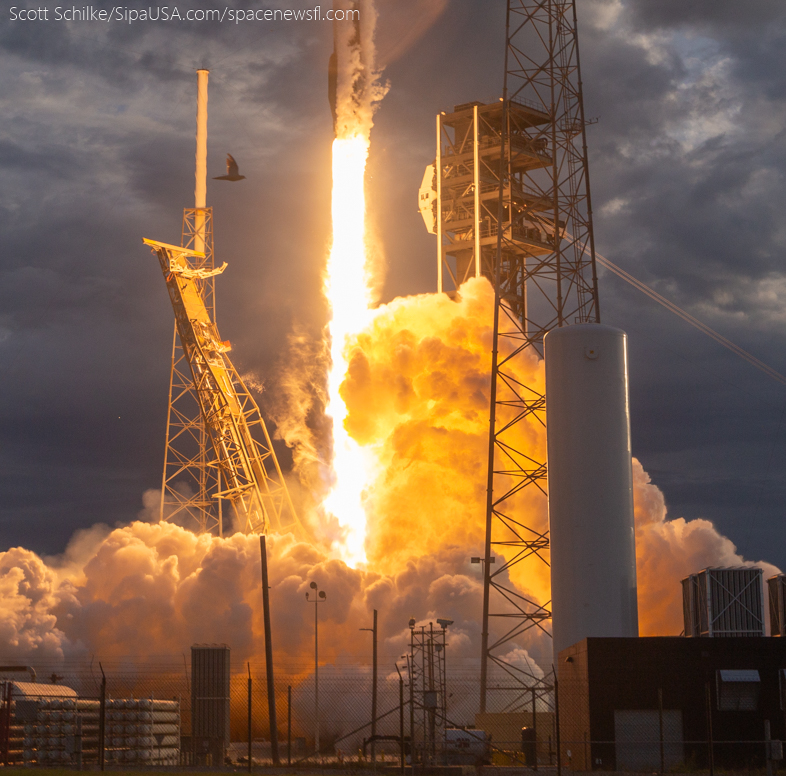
point(593, 546)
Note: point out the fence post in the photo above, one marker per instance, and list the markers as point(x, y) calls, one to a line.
point(535, 729)
point(767, 747)
point(289, 724)
point(660, 728)
point(249, 717)
point(102, 719)
point(401, 717)
point(78, 741)
point(710, 747)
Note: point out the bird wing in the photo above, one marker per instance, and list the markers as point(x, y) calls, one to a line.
point(232, 168)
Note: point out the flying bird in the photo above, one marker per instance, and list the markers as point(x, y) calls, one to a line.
point(233, 173)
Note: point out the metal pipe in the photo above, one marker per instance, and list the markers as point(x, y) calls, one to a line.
point(200, 187)
point(439, 203)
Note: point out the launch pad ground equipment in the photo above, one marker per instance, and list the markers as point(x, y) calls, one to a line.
point(249, 470)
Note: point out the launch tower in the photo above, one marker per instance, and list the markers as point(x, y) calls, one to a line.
point(217, 445)
point(509, 199)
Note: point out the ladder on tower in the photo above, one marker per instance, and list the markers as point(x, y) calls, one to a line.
point(251, 477)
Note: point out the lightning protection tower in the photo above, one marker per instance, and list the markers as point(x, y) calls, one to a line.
point(191, 476)
point(509, 199)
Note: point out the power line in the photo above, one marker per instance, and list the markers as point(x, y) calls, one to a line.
point(719, 338)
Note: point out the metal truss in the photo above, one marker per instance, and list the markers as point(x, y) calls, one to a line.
point(243, 455)
point(428, 690)
point(191, 477)
point(544, 278)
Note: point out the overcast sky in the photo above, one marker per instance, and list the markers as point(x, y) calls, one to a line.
point(96, 151)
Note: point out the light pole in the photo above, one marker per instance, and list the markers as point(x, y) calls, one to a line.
point(486, 566)
point(373, 692)
point(319, 595)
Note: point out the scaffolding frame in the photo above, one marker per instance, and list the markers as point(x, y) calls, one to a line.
point(428, 691)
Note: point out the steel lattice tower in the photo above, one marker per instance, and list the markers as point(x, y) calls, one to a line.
point(535, 291)
point(426, 662)
point(509, 199)
point(191, 475)
point(217, 444)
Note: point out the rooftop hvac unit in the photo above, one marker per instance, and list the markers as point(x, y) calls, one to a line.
point(723, 602)
point(777, 590)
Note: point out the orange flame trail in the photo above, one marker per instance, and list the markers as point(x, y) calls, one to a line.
point(348, 289)
point(349, 280)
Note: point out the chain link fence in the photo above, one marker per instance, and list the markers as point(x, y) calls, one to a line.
point(557, 737)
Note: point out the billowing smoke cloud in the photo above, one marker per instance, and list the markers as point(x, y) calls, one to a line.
point(417, 394)
point(667, 551)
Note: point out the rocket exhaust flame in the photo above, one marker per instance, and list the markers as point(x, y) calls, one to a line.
point(347, 289)
point(348, 283)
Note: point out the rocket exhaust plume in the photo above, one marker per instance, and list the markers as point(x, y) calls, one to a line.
point(416, 396)
point(348, 284)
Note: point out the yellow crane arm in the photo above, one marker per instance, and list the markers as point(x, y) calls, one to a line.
point(253, 481)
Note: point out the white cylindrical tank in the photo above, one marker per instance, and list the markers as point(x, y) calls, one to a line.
point(593, 547)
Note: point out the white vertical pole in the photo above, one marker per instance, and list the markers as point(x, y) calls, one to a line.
point(439, 203)
point(476, 181)
point(200, 188)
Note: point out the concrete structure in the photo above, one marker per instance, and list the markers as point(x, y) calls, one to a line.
point(593, 552)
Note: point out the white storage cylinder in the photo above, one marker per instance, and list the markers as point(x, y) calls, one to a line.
point(593, 549)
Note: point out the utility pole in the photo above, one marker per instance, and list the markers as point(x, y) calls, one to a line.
point(373, 630)
point(271, 685)
point(249, 718)
point(319, 595)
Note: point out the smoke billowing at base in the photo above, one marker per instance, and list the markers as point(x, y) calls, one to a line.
point(417, 397)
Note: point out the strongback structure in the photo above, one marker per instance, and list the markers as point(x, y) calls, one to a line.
point(217, 445)
point(508, 198)
point(248, 469)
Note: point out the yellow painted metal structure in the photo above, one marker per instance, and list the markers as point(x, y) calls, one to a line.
point(249, 472)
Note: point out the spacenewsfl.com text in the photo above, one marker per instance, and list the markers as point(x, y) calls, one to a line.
point(173, 13)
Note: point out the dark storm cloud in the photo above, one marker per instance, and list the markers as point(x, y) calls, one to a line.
point(96, 151)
